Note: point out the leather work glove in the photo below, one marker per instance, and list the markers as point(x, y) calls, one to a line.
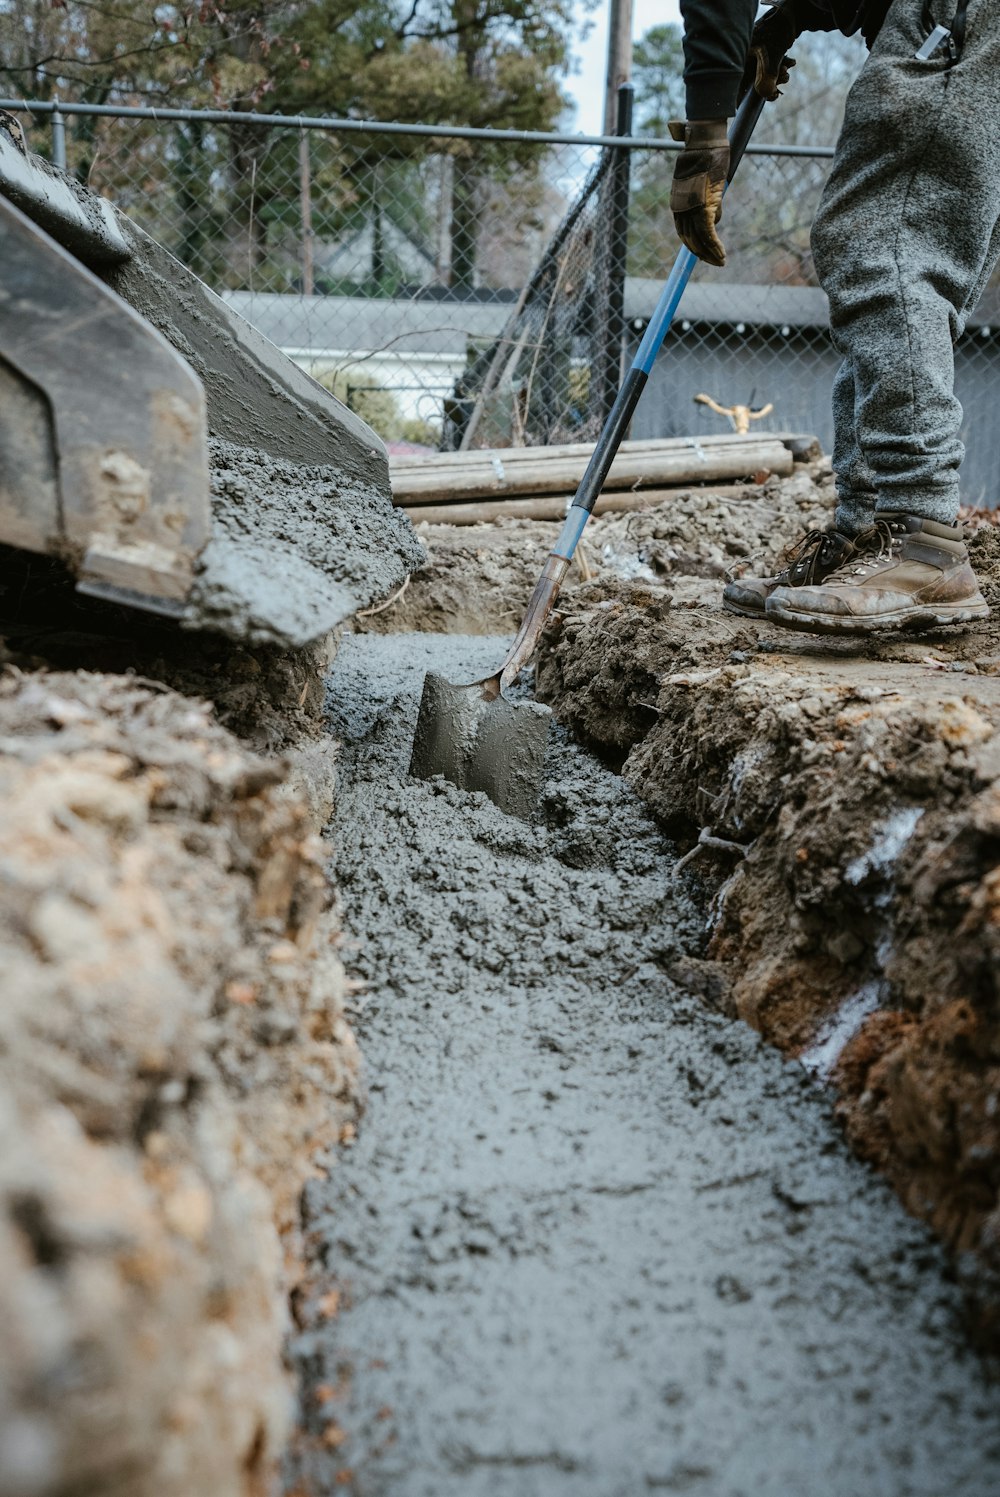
point(699, 182)
point(768, 62)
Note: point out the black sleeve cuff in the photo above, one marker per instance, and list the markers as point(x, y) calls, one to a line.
point(712, 96)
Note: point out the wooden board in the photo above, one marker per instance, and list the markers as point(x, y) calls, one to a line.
point(462, 477)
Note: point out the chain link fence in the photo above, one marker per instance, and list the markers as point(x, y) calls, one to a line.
point(478, 288)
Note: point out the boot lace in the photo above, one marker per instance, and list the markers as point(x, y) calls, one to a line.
point(798, 549)
point(871, 548)
point(803, 556)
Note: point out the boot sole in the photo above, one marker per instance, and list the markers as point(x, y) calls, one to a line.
point(744, 610)
point(921, 617)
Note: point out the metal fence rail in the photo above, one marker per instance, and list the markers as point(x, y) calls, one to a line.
point(432, 274)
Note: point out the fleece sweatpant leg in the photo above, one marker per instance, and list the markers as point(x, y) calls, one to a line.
point(856, 496)
point(904, 241)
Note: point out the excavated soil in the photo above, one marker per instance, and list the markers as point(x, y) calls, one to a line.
point(173, 1053)
point(594, 1236)
point(842, 795)
point(476, 579)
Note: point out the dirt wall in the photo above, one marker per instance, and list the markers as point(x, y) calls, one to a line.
point(174, 1051)
point(841, 804)
point(477, 579)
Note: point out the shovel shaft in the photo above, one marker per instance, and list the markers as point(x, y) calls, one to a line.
point(615, 427)
point(542, 599)
point(634, 383)
point(475, 736)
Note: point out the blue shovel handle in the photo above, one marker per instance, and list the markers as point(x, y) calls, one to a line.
point(634, 383)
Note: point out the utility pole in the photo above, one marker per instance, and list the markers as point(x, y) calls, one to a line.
point(619, 68)
point(606, 367)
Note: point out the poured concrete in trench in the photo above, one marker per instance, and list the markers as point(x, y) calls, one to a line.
point(593, 1239)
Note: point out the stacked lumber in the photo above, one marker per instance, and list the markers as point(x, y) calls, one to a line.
point(465, 488)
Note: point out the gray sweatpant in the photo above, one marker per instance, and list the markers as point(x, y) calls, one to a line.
point(906, 237)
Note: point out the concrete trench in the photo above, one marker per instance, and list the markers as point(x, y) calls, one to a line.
point(592, 1236)
point(591, 1233)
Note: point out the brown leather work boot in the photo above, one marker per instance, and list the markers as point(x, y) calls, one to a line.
point(903, 573)
point(808, 560)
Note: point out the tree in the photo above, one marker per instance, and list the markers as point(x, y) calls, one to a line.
point(658, 75)
point(101, 51)
point(485, 63)
point(468, 62)
point(767, 218)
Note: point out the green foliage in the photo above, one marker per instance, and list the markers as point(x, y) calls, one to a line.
point(579, 386)
point(369, 400)
point(227, 200)
point(478, 62)
point(658, 75)
point(124, 50)
point(379, 407)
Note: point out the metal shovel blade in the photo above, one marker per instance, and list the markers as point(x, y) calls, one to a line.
point(475, 737)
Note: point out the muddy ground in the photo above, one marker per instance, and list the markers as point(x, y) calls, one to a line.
point(593, 1237)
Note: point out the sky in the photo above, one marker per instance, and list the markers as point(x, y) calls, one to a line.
point(586, 86)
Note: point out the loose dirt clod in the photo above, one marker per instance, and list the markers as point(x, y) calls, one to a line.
point(592, 1238)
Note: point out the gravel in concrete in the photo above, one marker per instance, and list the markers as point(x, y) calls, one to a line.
point(593, 1239)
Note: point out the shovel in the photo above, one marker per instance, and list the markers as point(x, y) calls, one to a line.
point(475, 735)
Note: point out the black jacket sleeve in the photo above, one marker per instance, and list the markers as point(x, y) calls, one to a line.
point(716, 44)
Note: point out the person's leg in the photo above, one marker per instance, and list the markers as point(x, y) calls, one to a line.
point(855, 485)
point(903, 242)
point(816, 554)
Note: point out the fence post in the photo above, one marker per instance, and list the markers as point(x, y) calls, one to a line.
point(305, 207)
point(610, 373)
point(619, 62)
point(58, 137)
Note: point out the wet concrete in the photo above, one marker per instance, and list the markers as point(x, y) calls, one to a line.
point(593, 1238)
point(303, 530)
point(294, 550)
